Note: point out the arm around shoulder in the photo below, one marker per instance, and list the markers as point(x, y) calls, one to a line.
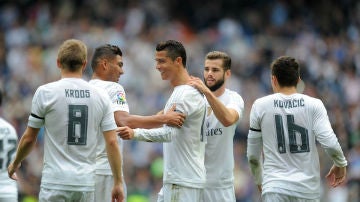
point(226, 115)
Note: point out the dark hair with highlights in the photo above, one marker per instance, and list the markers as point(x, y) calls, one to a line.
point(174, 49)
point(107, 51)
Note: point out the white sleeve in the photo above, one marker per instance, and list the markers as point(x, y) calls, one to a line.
point(36, 118)
point(326, 136)
point(254, 146)
point(118, 98)
point(163, 134)
point(236, 103)
point(108, 120)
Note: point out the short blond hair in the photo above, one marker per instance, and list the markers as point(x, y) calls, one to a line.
point(72, 54)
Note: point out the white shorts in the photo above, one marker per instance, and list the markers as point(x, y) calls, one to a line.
point(53, 195)
point(103, 187)
point(271, 197)
point(177, 193)
point(216, 195)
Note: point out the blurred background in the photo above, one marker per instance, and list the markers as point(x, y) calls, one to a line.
point(322, 35)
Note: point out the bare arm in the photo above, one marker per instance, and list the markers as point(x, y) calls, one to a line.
point(114, 156)
point(171, 118)
point(26, 144)
point(226, 116)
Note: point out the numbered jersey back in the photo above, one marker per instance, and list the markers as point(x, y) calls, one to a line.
point(289, 126)
point(73, 114)
point(8, 144)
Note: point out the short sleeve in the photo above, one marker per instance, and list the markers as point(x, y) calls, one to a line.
point(36, 117)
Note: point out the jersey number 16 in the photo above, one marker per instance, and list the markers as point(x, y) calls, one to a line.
point(298, 135)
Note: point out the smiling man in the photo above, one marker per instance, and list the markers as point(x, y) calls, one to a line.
point(184, 148)
point(107, 65)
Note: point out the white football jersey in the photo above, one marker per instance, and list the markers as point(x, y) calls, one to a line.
point(118, 99)
point(219, 156)
point(289, 126)
point(73, 113)
point(8, 144)
point(184, 148)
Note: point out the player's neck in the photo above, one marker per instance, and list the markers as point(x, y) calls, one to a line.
point(287, 90)
point(219, 91)
point(182, 79)
point(66, 74)
point(95, 76)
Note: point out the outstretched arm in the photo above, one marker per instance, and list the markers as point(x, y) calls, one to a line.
point(163, 134)
point(171, 118)
point(26, 144)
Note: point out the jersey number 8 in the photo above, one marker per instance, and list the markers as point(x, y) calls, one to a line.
point(77, 128)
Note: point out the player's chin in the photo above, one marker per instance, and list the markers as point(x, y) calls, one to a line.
point(210, 83)
point(164, 77)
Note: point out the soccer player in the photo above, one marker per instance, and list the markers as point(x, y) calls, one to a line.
point(224, 109)
point(107, 66)
point(73, 113)
point(284, 127)
point(184, 148)
point(8, 143)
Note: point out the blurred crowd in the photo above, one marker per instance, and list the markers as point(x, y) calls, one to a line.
point(322, 35)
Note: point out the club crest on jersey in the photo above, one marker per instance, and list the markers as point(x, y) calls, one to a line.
point(209, 111)
point(120, 98)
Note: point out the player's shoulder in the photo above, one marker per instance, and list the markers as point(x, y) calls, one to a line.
point(106, 84)
point(5, 124)
point(310, 98)
point(64, 83)
point(188, 93)
point(98, 91)
point(48, 89)
point(313, 103)
point(232, 93)
point(47, 86)
point(265, 99)
point(187, 90)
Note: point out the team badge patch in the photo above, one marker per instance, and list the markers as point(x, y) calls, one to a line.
point(120, 98)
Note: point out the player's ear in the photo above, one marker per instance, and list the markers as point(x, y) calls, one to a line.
point(228, 73)
point(58, 63)
point(178, 60)
point(274, 83)
point(273, 79)
point(84, 66)
point(104, 64)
